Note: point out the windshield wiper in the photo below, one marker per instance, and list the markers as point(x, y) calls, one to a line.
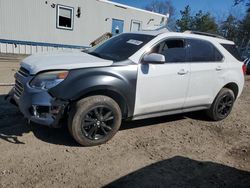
point(96, 54)
point(102, 56)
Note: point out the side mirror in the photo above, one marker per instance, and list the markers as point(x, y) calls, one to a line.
point(154, 58)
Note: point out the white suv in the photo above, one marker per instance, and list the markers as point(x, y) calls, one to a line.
point(131, 76)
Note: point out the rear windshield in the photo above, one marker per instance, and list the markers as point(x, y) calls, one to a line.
point(121, 47)
point(233, 50)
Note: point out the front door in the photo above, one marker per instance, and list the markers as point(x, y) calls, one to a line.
point(163, 87)
point(117, 26)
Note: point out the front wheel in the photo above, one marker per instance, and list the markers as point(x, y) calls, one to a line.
point(222, 105)
point(94, 120)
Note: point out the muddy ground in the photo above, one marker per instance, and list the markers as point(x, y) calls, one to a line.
point(174, 151)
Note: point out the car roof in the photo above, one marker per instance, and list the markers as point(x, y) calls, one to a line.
point(150, 32)
point(167, 33)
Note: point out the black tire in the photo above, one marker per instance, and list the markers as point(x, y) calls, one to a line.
point(94, 120)
point(222, 105)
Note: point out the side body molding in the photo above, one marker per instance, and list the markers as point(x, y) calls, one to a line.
point(120, 79)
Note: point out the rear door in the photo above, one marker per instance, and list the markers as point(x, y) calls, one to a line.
point(207, 67)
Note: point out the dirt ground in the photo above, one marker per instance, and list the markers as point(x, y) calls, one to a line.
point(174, 151)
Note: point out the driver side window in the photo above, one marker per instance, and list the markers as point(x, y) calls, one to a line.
point(174, 50)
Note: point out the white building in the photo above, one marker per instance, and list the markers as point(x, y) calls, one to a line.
point(30, 26)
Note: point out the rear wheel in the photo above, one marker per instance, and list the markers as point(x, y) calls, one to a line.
point(222, 105)
point(94, 120)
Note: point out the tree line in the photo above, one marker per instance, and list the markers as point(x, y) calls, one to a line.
point(231, 27)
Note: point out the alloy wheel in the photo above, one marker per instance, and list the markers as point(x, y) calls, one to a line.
point(98, 122)
point(225, 105)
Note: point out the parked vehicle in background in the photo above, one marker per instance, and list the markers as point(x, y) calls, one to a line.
point(247, 63)
point(248, 67)
point(131, 76)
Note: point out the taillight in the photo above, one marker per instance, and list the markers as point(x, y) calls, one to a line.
point(244, 68)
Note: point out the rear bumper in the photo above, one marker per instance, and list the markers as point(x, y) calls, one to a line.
point(37, 106)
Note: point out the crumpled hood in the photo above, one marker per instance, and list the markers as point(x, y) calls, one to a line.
point(63, 61)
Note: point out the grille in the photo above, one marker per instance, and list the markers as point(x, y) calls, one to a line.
point(18, 89)
point(24, 72)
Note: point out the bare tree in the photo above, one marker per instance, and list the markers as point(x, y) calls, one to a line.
point(236, 2)
point(163, 7)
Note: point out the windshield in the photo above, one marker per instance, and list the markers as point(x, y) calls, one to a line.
point(121, 47)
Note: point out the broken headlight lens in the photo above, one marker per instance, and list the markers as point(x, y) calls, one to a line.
point(48, 80)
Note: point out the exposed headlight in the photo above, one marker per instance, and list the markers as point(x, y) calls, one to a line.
point(48, 80)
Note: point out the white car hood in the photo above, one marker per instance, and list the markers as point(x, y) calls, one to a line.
point(63, 61)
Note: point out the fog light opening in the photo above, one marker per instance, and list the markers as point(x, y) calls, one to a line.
point(40, 111)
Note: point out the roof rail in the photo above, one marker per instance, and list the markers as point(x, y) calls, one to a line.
point(205, 34)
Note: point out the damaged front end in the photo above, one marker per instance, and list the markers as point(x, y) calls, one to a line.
point(36, 105)
point(49, 115)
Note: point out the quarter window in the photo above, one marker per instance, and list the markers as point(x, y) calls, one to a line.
point(65, 17)
point(174, 50)
point(233, 50)
point(202, 51)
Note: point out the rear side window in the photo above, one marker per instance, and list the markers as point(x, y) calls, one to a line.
point(233, 50)
point(173, 50)
point(202, 51)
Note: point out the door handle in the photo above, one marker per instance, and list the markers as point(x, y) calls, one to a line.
point(219, 68)
point(182, 72)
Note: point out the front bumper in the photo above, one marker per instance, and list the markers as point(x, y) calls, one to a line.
point(36, 105)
